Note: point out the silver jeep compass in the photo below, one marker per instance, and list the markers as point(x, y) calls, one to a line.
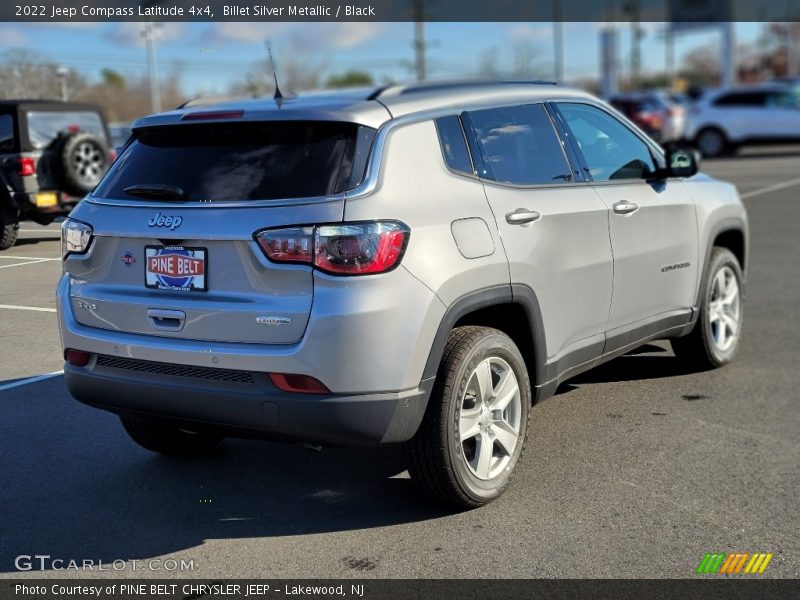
point(414, 264)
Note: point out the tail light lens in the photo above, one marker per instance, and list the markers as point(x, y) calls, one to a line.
point(76, 237)
point(346, 249)
point(294, 244)
point(26, 166)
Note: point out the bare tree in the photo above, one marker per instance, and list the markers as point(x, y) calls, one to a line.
point(296, 72)
point(27, 74)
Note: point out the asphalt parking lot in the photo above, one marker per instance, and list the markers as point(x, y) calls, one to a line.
point(633, 470)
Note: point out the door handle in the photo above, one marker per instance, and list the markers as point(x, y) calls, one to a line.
point(521, 216)
point(623, 207)
point(170, 320)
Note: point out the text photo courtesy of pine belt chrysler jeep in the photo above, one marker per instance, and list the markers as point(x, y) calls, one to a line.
point(414, 264)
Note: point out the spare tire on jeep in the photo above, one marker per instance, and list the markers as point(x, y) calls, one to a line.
point(80, 159)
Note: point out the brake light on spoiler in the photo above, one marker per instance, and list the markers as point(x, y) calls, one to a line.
point(213, 115)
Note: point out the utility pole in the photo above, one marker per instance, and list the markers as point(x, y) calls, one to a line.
point(669, 58)
point(558, 43)
point(419, 40)
point(152, 67)
point(63, 73)
point(728, 58)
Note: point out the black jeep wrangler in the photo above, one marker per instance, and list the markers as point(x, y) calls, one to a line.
point(51, 155)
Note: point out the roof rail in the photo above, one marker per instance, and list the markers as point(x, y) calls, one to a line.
point(440, 86)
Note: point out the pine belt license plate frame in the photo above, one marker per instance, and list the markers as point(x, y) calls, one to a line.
point(183, 275)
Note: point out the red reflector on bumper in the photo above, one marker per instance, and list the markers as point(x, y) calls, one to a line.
point(301, 384)
point(77, 358)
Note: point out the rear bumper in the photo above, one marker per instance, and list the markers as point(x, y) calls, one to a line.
point(246, 404)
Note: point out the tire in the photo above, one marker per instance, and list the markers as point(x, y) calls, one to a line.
point(715, 337)
point(456, 472)
point(81, 159)
point(167, 439)
point(712, 142)
point(9, 228)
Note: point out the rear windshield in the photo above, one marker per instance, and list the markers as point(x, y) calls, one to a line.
point(44, 126)
point(243, 161)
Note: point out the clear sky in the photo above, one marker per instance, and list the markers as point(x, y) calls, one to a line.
point(211, 56)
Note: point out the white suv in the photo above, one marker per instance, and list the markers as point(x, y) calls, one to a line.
point(727, 118)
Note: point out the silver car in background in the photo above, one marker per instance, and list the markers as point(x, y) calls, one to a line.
point(413, 264)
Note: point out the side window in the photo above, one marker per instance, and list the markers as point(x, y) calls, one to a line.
point(454, 146)
point(611, 150)
point(518, 144)
point(741, 99)
point(6, 132)
point(782, 100)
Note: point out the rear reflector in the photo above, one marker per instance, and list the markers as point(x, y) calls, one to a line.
point(216, 114)
point(26, 166)
point(301, 384)
point(77, 358)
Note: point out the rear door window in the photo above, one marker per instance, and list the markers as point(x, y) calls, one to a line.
point(44, 126)
point(6, 132)
point(518, 145)
point(243, 161)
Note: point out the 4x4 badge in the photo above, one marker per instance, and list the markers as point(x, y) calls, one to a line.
point(159, 220)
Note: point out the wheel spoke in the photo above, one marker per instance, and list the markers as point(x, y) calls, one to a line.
point(506, 436)
point(506, 391)
point(731, 324)
point(483, 456)
point(483, 373)
point(469, 424)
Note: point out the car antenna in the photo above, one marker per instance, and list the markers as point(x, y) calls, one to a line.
point(278, 95)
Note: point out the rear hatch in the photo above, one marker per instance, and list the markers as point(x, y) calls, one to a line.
point(173, 252)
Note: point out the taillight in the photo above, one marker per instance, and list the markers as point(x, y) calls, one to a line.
point(294, 244)
point(345, 249)
point(302, 384)
point(26, 166)
point(76, 237)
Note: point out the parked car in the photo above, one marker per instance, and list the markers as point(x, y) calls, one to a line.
point(51, 155)
point(725, 119)
point(655, 112)
point(414, 265)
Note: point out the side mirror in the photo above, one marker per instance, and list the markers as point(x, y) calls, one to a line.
point(682, 162)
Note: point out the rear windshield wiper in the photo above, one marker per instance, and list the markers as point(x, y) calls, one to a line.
point(156, 191)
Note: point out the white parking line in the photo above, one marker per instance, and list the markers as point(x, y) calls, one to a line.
point(34, 308)
point(18, 257)
point(22, 264)
point(9, 386)
point(771, 188)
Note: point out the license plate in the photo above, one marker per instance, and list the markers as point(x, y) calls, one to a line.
point(176, 268)
point(46, 199)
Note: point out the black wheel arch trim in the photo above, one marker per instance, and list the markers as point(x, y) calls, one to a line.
point(519, 294)
point(729, 224)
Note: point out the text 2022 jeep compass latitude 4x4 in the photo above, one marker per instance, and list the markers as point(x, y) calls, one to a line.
point(411, 265)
